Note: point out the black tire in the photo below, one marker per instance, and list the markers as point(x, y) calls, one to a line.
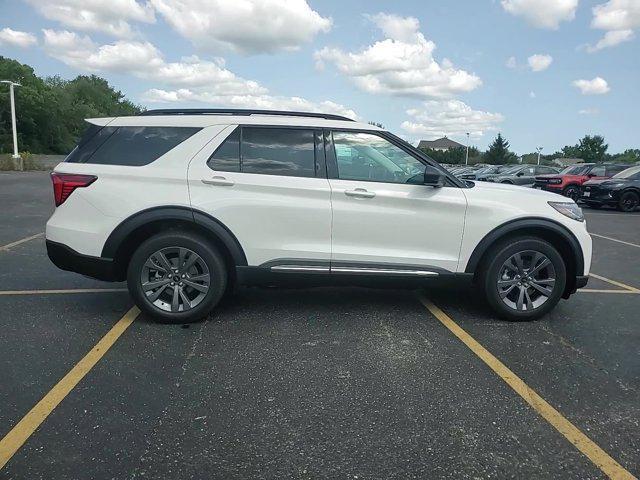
point(492, 273)
point(573, 192)
point(628, 202)
point(209, 258)
point(507, 182)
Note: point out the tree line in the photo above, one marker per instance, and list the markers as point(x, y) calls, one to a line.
point(590, 148)
point(50, 111)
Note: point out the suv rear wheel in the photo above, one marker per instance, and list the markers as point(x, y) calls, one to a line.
point(524, 278)
point(176, 277)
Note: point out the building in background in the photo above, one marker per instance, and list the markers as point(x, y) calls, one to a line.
point(441, 144)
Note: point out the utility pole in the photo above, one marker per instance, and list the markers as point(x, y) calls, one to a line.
point(539, 149)
point(466, 158)
point(16, 155)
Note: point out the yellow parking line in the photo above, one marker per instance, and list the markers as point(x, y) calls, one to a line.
point(19, 434)
point(593, 452)
point(616, 283)
point(75, 290)
point(594, 290)
point(18, 242)
point(614, 240)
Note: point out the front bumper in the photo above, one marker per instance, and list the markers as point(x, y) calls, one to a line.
point(66, 258)
point(548, 187)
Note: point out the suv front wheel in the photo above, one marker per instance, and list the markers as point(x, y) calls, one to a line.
point(176, 277)
point(524, 278)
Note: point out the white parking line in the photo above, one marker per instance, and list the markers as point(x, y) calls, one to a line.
point(18, 242)
point(614, 239)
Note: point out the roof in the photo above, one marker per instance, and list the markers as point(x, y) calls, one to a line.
point(443, 142)
point(200, 118)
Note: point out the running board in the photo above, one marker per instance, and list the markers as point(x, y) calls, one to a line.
point(353, 270)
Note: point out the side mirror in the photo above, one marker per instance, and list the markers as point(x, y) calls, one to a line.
point(433, 177)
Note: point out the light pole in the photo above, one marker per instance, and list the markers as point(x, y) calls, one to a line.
point(539, 149)
point(466, 158)
point(13, 116)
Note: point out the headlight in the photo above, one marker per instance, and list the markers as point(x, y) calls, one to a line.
point(569, 209)
point(555, 180)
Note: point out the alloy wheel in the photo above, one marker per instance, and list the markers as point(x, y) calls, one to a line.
point(526, 280)
point(175, 279)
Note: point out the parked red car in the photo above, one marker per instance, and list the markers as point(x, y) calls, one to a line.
point(569, 180)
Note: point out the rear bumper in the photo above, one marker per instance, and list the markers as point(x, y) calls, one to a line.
point(66, 258)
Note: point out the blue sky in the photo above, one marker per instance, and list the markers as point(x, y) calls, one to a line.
point(542, 72)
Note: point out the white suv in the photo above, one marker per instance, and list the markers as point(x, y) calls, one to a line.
point(187, 204)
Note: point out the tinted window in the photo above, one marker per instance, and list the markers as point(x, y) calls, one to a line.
point(545, 170)
point(368, 157)
point(613, 169)
point(226, 158)
point(278, 151)
point(93, 137)
point(597, 171)
point(131, 146)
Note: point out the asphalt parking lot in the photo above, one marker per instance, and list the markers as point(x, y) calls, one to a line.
point(313, 383)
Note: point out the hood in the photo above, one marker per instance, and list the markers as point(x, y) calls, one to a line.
point(597, 182)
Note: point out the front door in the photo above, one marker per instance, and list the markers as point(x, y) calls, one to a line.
point(382, 213)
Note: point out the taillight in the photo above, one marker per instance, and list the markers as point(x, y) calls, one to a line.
point(65, 183)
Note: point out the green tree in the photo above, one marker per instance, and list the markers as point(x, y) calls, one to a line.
point(453, 155)
point(631, 155)
point(499, 153)
point(51, 112)
point(589, 148)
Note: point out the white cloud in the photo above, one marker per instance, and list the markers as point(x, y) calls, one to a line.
point(597, 86)
point(588, 111)
point(16, 38)
point(611, 39)
point(401, 64)
point(189, 80)
point(108, 16)
point(619, 18)
point(539, 62)
point(511, 62)
point(542, 13)
point(449, 117)
point(245, 26)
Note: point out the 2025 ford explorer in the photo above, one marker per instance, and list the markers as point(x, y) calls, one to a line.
point(186, 204)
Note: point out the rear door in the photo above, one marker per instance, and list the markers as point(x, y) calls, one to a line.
point(269, 187)
point(383, 216)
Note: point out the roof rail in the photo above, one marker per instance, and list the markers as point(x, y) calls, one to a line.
point(240, 111)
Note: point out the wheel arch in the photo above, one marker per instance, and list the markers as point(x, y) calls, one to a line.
point(137, 228)
point(555, 233)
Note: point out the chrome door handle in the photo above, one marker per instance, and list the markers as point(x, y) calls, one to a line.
point(219, 181)
point(359, 193)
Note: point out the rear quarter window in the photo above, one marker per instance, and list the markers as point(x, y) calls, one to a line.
point(130, 146)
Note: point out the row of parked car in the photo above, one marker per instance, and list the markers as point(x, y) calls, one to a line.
point(594, 184)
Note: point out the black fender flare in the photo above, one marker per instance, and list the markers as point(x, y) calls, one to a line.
point(209, 223)
point(524, 224)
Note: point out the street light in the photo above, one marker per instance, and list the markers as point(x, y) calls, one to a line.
point(539, 149)
point(466, 158)
point(13, 116)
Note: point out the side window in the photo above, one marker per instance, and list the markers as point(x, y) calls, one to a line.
point(545, 170)
point(226, 158)
point(613, 169)
point(597, 171)
point(529, 171)
point(368, 157)
point(93, 137)
point(130, 146)
point(278, 151)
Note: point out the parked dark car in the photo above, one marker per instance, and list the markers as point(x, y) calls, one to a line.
point(621, 191)
point(482, 172)
point(524, 175)
point(495, 171)
point(569, 181)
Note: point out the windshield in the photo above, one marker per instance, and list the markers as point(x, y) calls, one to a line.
point(575, 170)
point(629, 172)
